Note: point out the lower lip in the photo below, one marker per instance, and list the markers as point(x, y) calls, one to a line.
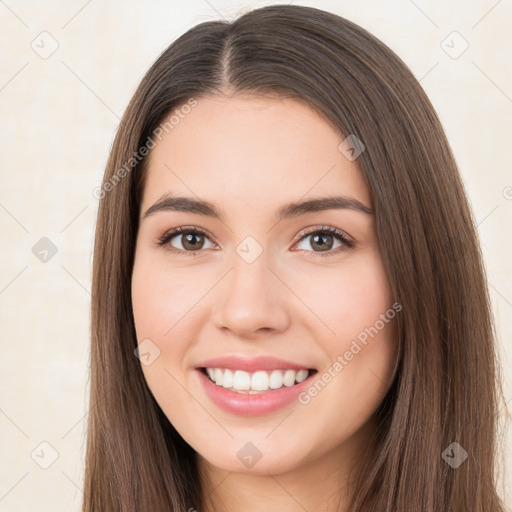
point(245, 404)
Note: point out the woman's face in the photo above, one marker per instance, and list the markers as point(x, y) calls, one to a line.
point(261, 295)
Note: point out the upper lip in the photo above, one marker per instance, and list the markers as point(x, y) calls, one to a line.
point(251, 364)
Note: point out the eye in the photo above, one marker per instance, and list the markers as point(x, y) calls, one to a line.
point(189, 240)
point(323, 239)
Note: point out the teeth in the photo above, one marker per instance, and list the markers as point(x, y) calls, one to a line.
point(219, 376)
point(301, 375)
point(241, 380)
point(227, 379)
point(275, 380)
point(257, 382)
point(289, 378)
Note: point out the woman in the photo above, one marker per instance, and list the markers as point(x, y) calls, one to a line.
point(289, 304)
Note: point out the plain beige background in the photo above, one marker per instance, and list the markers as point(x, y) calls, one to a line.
point(68, 71)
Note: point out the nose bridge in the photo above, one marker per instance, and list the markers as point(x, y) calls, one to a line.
point(251, 276)
point(251, 299)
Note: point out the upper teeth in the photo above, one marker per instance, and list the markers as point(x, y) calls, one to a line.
point(239, 380)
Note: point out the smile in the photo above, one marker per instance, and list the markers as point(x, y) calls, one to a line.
point(253, 386)
point(256, 382)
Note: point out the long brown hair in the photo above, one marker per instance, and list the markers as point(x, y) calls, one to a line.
point(447, 388)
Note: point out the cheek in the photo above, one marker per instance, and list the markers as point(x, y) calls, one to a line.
point(355, 306)
point(360, 352)
point(348, 300)
point(161, 297)
point(163, 312)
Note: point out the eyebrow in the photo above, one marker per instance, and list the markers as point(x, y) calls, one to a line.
point(169, 202)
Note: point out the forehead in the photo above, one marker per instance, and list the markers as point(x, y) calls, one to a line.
point(252, 149)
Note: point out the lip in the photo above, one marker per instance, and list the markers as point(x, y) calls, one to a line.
point(251, 364)
point(243, 404)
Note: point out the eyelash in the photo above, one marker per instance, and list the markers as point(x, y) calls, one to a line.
point(163, 241)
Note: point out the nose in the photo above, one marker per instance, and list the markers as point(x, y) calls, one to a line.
point(252, 300)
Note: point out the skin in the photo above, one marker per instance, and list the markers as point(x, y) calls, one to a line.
point(250, 155)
